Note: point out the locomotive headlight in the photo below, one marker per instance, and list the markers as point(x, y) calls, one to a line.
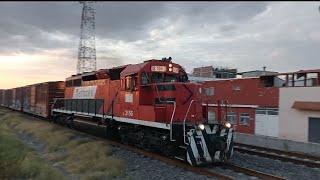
point(201, 126)
point(170, 65)
point(228, 125)
point(170, 69)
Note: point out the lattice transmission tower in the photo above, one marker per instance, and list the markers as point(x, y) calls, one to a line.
point(87, 49)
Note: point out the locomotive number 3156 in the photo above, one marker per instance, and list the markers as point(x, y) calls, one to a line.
point(128, 113)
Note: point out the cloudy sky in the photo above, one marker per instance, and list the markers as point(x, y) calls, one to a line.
point(39, 40)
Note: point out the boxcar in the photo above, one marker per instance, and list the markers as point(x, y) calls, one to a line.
point(17, 98)
point(2, 97)
point(38, 98)
point(8, 98)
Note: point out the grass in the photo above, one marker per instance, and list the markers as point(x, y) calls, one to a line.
point(17, 160)
point(78, 156)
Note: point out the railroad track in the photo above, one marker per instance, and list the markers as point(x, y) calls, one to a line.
point(174, 162)
point(250, 172)
point(297, 158)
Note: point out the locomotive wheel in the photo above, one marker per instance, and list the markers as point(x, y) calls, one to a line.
point(61, 121)
point(124, 139)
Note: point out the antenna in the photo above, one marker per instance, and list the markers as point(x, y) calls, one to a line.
point(87, 61)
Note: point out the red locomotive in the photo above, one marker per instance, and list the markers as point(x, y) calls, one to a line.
point(151, 105)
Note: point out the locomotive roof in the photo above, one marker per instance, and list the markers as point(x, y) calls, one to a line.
point(125, 70)
point(133, 68)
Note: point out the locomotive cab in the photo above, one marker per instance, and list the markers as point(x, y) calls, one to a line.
point(163, 86)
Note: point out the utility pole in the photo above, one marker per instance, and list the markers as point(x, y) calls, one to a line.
point(87, 49)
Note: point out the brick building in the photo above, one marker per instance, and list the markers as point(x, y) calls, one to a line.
point(253, 103)
point(211, 72)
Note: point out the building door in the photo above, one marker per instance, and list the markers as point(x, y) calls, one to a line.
point(267, 122)
point(314, 130)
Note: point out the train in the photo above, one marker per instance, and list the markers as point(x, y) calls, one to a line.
point(151, 105)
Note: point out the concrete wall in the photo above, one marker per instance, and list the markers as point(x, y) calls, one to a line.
point(280, 144)
point(293, 123)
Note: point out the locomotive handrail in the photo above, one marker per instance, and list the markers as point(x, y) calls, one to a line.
point(173, 112)
point(224, 110)
point(228, 106)
point(184, 123)
point(52, 106)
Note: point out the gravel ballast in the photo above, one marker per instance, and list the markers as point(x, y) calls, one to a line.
point(286, 170)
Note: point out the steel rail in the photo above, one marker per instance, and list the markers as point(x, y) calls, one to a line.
point(173, 162)
point(300, 158)
point(250, 172)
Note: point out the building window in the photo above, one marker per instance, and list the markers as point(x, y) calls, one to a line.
point(211, 116)
point(272, 112)
point(236, 88)
point(245, 119)
point(209, 91)
point(232, 117)
point(261, 111)
point(267, 111)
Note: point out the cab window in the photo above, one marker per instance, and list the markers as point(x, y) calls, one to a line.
point(183, 78)
point(157, 77)
point(170, 78)
point(130, 82)
point(144, 78)
point(163, 77)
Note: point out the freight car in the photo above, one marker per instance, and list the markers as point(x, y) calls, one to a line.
point(2, 97)
point(36, 99)
point(16, 102)
point(151, 105)
point(7, 98)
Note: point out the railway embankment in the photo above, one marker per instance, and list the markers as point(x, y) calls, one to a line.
point(31, 148)
point(60, 153)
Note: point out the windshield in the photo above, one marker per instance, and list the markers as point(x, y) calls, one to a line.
point(162, 77)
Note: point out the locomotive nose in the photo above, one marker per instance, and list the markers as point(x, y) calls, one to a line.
point(216, 143)
point(212, 144)
point(221, 145)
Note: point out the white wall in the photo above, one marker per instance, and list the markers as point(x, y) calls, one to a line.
point(293, 123)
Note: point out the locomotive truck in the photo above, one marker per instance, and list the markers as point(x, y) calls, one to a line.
point(150, 105)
